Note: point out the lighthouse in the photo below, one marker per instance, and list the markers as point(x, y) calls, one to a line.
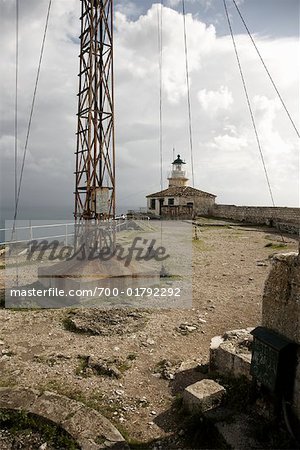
point(179, 200)
point(178, 175)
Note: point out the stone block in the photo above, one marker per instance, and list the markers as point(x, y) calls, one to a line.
point(241, 365)
point(230, 354)
point(203, 396)
point(221, 359)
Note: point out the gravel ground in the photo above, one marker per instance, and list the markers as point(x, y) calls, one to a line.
point(155, 360)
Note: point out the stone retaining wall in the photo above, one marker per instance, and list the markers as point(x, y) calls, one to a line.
point(285, 219)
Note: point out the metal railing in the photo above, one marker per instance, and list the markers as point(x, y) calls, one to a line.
point(66, 234)
point(31, 235)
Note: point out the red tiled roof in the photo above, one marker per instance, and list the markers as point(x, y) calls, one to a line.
point(181, 191)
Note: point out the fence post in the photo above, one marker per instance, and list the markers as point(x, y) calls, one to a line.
point(30, 234)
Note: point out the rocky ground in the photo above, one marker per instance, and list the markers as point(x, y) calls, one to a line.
point(135, 376)
point(23, 440)
point(21, 431)
point(9, 441)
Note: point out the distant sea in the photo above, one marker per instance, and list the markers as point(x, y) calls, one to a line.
point(45, 216)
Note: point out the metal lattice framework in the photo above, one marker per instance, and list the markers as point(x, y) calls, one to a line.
point(95, 154)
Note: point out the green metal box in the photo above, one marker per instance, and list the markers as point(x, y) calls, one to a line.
point(273, 361)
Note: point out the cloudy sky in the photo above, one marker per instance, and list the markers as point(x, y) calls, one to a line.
point(227, 161)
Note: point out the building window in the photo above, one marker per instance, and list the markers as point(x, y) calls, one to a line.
point(170, 201)
point(152, 203)
point(190, 204)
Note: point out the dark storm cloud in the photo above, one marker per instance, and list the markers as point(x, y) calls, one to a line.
point(225, 151)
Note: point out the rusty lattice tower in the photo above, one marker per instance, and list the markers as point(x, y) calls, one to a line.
point(95, 154)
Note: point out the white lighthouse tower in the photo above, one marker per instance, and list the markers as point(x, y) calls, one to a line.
point(178, 175)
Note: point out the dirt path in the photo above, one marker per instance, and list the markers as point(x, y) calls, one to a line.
point(230, 265)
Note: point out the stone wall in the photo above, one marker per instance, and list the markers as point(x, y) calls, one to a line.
point(285, 219)
point(281, 307)
point(201, 204)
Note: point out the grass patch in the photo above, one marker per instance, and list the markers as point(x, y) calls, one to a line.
point(123, 366)
point(69, 325)
point(200, 220)
point(50, 361)
point(276, 246)
point(214, 227)
point(20, 421)
point(200, 245)
point(94, 400)
point(113, 368)
point(7, 381)
point(81, 369)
